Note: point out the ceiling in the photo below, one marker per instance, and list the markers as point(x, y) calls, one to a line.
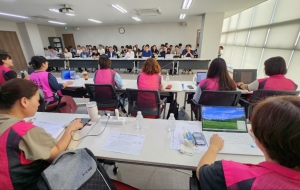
point(103, 11)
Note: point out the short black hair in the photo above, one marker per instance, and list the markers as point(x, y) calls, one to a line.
point(50, 47)
point(189, 45)
point(176, 46)
point(129, 47)
point(37, 61)
point(147, 45)
point(180, 44)
point(162, 44)
point(275, 66)
point(123, 46)
point(4, 57)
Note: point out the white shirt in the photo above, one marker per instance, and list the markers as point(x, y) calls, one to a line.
point(79, 51)
point(129, 55)
point(101, 51)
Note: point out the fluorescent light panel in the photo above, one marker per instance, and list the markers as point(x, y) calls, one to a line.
point(119, 8)
point(92, 20)
point(136, 18)
point(186, 4)
point(54, 22)
point(12, 15)
point(54, 10)
point(70, 14)
point(181, 16)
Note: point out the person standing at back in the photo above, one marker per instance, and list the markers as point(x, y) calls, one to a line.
point(5, 68)
point(147, 52)
point(275, 68)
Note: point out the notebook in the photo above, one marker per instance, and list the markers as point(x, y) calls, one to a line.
point(68, 74)
point(230, 124)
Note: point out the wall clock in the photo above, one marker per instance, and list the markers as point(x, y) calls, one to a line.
point(121, 30)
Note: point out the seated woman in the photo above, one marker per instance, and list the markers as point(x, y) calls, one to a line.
point(275, 68)
point(217, 79)
point(5, 72)
point(149, 79)
point(49, 85)
point(26, 149)
point(275, 126)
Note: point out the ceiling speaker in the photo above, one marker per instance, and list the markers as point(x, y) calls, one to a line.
point(183, 24)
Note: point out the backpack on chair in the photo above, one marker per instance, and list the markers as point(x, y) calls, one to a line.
point(173, 109)
point(76, 169)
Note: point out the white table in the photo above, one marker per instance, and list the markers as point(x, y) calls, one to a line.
point(192, 91)
point(156, 149)
point(78, 83)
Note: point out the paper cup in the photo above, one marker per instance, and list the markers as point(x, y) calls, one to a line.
point(93, 111)
point(85, 75)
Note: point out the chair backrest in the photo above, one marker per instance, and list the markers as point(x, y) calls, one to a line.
point(42, 106)
point(104, 94)
point(260, 95)
point(146, 101)
point(219, 98)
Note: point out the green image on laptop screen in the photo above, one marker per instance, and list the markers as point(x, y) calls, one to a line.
point(223, 118)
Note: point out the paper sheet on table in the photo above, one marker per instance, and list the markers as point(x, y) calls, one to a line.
point(52, 128)
point(125, 143)
point(177, 137)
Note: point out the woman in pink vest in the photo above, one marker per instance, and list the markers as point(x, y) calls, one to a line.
point(149, 79)
point(25, 149)
point(276, 130)
point(105, 75)
point(275, 68)
point(217, 79)
point(49, 85)
point(5, 72)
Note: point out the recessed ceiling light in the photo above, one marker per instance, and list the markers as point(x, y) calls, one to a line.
point(119, 8)
point(92, 20)
point(186, 4)
point(54, 22)
point(54, 10)
point(136, 18)
point(70, 14)
point(12, 15)
point(181, 16)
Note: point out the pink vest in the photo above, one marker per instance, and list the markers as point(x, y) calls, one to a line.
point(266, 175)
point(210, 84)
point(149, 82)
point(277, 82)
point(105, 76)
point(41, 80)
point(15, 170)
point(3, 71)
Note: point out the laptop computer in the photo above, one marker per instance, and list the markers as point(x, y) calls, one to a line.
point(68, 74)
point(200, 76)
point(230, 124)
point(169, 56)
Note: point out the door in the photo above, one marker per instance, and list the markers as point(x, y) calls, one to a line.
point(10, 43)
point(69, 40)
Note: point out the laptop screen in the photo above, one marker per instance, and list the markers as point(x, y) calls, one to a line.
point(68, 75)
point(217, 118)
point(201, 76)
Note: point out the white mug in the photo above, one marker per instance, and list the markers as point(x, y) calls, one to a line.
point(93, 111)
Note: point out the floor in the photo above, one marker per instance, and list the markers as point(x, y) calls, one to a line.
point(147, 177)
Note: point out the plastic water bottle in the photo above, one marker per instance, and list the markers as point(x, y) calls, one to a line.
point(194, 79)
point(167, 78)
point(171, 125)
point(139, 120)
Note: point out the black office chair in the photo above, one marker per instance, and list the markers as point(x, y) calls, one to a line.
point(43, 107)
point(260, 95)
point(214, 98)
point(105, 95)
point(146, 101)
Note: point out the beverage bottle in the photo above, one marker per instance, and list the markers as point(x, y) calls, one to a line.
point(139, 120)
point(171, 125)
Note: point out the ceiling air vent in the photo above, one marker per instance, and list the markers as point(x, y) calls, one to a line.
point(41, 18)
point(148, 12)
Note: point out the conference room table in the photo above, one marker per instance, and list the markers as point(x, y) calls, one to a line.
point(179, 63)
point(132, 84)
point(187, 90)
point(155, 150)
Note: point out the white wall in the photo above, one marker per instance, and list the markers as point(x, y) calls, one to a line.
point(11, 26)
point(45, 32)
point(140, 34)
